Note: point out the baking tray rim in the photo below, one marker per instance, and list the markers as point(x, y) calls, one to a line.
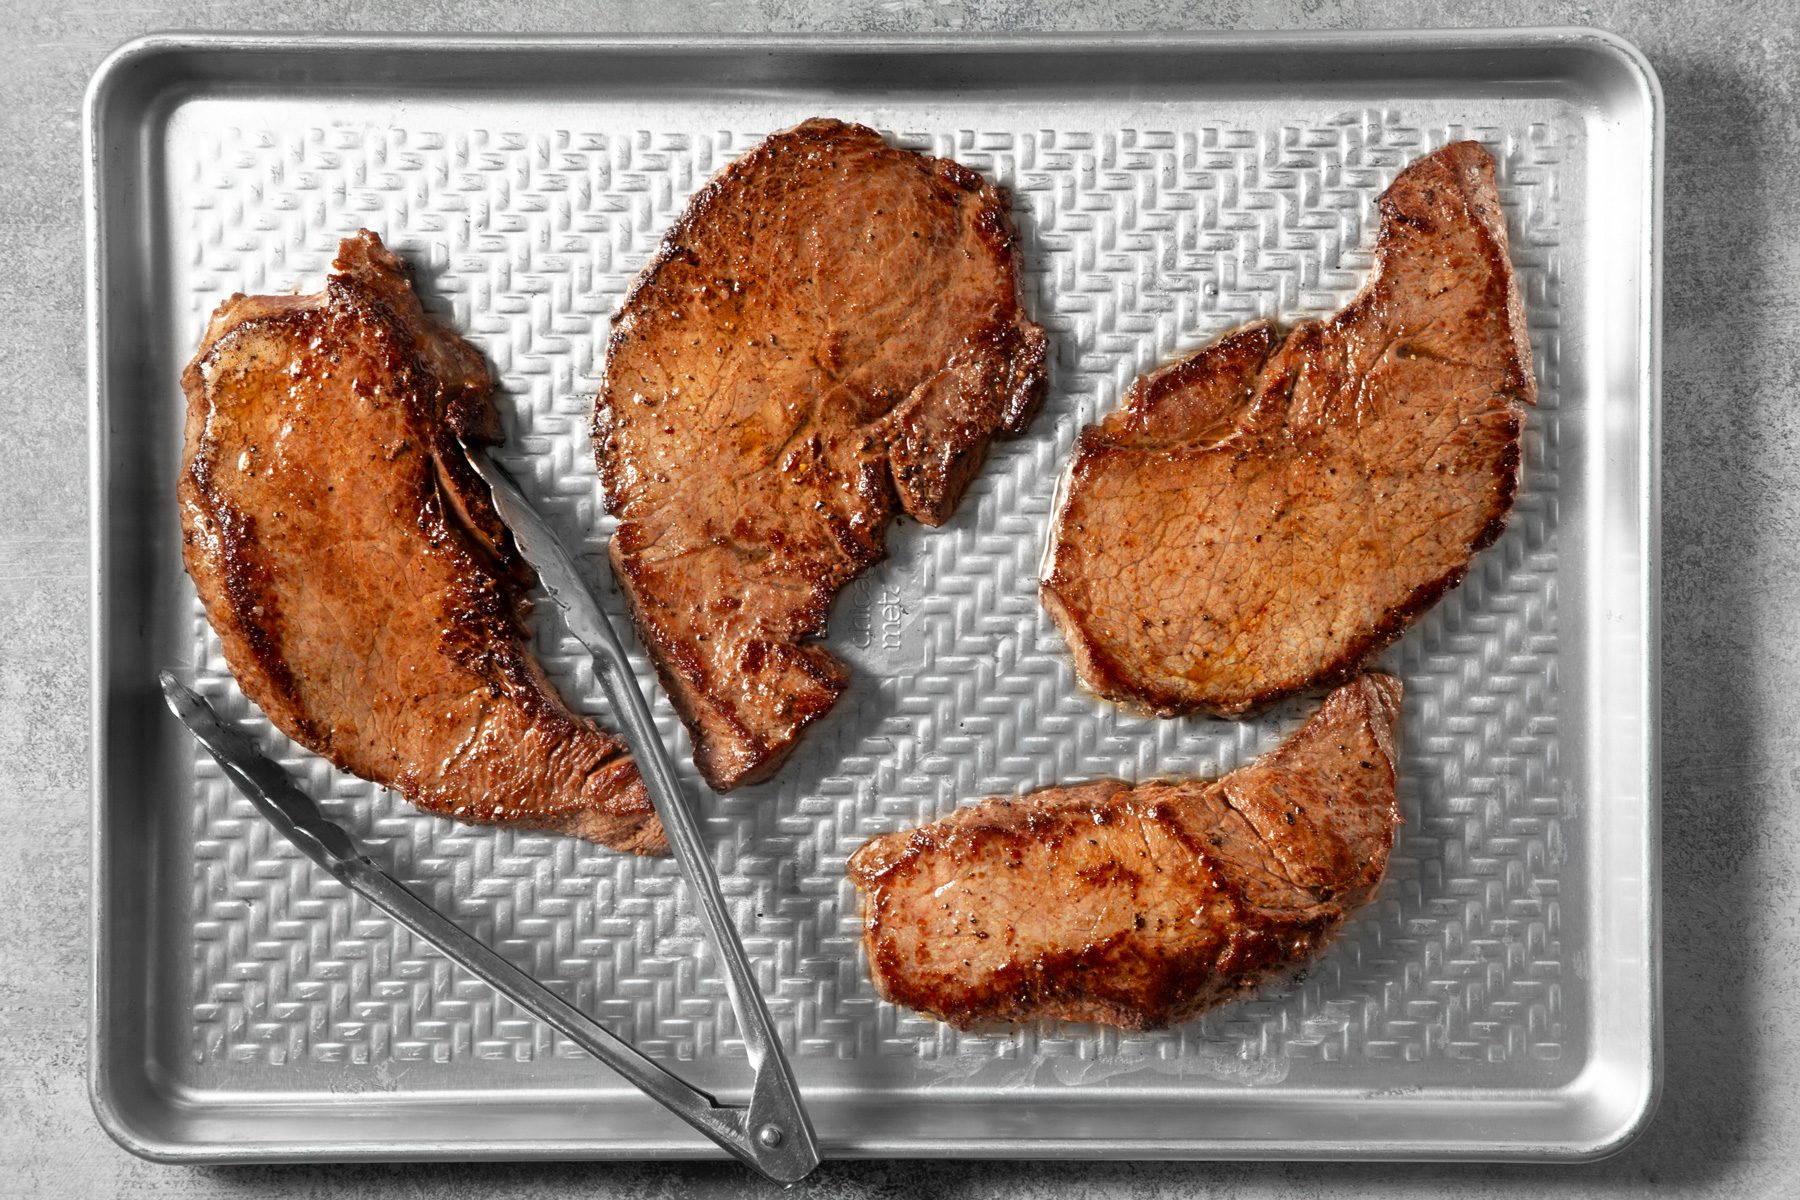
point(142, 52)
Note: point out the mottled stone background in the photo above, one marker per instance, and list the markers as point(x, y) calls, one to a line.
point(1731, 602)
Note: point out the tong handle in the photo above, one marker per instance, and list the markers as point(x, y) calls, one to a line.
point(783, 1137)
point(298, 818)
point(777, 1116)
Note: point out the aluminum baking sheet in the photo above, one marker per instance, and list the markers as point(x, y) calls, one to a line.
point(1498, 998)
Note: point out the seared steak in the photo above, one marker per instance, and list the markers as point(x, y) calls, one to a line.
point(1266, 515)
point(1138, 906)
point(829, 332)
point(367, 596)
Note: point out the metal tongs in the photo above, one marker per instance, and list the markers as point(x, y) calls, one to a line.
point(771, 1133)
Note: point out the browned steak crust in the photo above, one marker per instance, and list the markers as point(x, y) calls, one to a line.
point(1267, 514)
point(366, 594)
point(830, 332)
point(1138, 907)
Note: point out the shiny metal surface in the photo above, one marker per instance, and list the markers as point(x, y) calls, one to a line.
point(1499, 998)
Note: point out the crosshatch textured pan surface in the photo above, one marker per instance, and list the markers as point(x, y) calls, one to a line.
point(1149, 227)
point(1140, 243)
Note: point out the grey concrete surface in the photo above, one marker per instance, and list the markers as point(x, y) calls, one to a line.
point(1731, 594)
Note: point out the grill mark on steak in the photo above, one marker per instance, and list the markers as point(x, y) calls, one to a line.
point(831, 331)
point(365, 591)
point(1265, 515)
point(1138, 906)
